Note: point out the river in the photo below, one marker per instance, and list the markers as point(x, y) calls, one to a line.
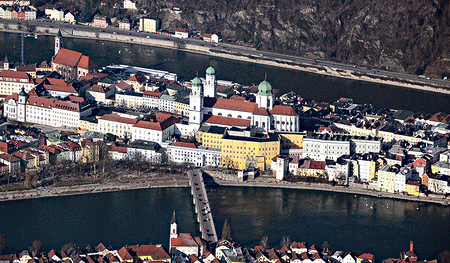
point(187, 65)
point(348, 222)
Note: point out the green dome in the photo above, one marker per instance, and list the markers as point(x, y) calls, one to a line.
point(196, 82)
point(264, 88)
point(210, 71)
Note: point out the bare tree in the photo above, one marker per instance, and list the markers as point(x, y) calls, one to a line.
point(36, 248)
point(285, 241)
point(444, 257)
point(226, 231)
point(2, 242)
point(68, 246)
point(264, 242)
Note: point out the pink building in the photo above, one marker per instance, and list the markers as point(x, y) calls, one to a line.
point(100, 21)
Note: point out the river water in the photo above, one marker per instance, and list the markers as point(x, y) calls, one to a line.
point(348, 222)
point(186, 65)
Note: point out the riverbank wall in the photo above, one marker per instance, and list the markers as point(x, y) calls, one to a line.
point(336, 189)
point(87, 189)
point(242, 56)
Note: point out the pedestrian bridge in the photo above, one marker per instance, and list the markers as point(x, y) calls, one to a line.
point(202, 206)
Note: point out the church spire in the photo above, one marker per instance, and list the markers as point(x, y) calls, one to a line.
point(174, 219)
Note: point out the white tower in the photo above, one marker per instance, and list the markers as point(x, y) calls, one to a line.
point(58, 42)
point(196, 102)
point(6, 63)
point(21, 114)
point(264, 97)
point(211, 84)
point(173, 227)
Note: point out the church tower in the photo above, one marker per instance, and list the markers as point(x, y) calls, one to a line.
point(196, 102)
point(6, 63)
point(211, 84)
point(58, 42)
point(21, 107)
point(173, 226)
point(264, 97)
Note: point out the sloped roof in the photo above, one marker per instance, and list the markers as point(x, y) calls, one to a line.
point(283, 110)
point(14, 75)
point(152, 94)
point(184, 144)
point(68, 89)
point(67, 57)
point(235, 105)
point(261, 111)
point(183, 240)
point(227, 121)
point(117, 118)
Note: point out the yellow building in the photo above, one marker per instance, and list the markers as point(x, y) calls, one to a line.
point(148, 25)
point(91, 151)
point(291, 139)
point(114, 124)
point(210, 136)
point(312, 168)
point(412, 188)
point(241, 152)
point(181, 107)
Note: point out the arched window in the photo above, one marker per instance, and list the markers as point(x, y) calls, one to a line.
point(239, 117)
point(229, 115)
point(249, 117)
point(219, 114)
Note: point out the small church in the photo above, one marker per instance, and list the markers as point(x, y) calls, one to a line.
point(70, 64)
point(183, 244)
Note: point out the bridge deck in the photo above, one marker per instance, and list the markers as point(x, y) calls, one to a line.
point(202, 206)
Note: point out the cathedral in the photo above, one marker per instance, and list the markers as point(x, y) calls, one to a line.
point(264, 114)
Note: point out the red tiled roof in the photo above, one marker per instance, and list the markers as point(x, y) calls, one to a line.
point(9, 75)
point(120, 149)
point(59, 82)
point(366, 255)
point(92, 75)
point(76, 99)
point(181, 30)
point(67, 105)
point(237, 97)
point(438, 117)
point(228, 121)
point(13, 96)
point(32, 92)
point(40, 101)
point(86, 63)
point(261, 111)
point(124, 254)
point(152, 94)
point(283, 110)
point(207, 35)
point(184, 144)
point(67, 57)
point(98, 88)
point(310, 164)
point(155, 251)
point(162, 116)
point(148, 125)
point(117, 118)
point(68, 89)
point(183, 239)
point(235, 105)
point(123, 85)
point(138, 78)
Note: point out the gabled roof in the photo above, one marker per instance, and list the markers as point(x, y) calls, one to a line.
point(261, 111)
point(117, 118)
point(184, 144)
point(138, 78)
point(283, 110)
point(124, 254)
point(235, 105)
point(152, 94)
point(9, 74)
point(184, 240)
point(67, 57)
point(68, 89)
point(220, 120)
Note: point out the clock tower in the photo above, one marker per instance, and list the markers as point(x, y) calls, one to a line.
point(196, 102)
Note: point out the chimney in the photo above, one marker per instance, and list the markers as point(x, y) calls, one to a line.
point(411, 246)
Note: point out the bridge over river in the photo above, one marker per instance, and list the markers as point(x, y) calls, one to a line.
point(202, 206)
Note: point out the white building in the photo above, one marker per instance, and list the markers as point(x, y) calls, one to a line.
point(189, 153)
point(158, 130)
point(60, 91)
point(100, 93)
point(166, 103)
point(128, 4)
point(40, 110)
point(181, 33)
point(69, 18)
point(150, 151)
point(54, 14)
point(13, 82)
point(116, 125)
point(325, 147)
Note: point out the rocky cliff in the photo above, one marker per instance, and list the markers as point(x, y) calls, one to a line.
point(401, 35)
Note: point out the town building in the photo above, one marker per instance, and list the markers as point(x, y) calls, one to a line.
point(100, 21)
point(190, 154)
point(157, 129)
point(181, 33)
point(116, 125)
point(14, 81)
point(147, 24)
point(184, 243)
point(393, 178)
point(128, 4)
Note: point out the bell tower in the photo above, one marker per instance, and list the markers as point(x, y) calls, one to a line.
point(58, 42)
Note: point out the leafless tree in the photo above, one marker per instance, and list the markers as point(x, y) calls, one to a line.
point(264, 242)
point(285, 241)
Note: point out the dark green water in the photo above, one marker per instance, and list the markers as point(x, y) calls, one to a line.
point(186, 65)
point(142, 216)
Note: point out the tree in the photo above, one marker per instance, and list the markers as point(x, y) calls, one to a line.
point(226, 231)
point(2, 242)
point(444, 257)
point(285, 241)
point(264, 242)
point(68, 246)
point(37, 247)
